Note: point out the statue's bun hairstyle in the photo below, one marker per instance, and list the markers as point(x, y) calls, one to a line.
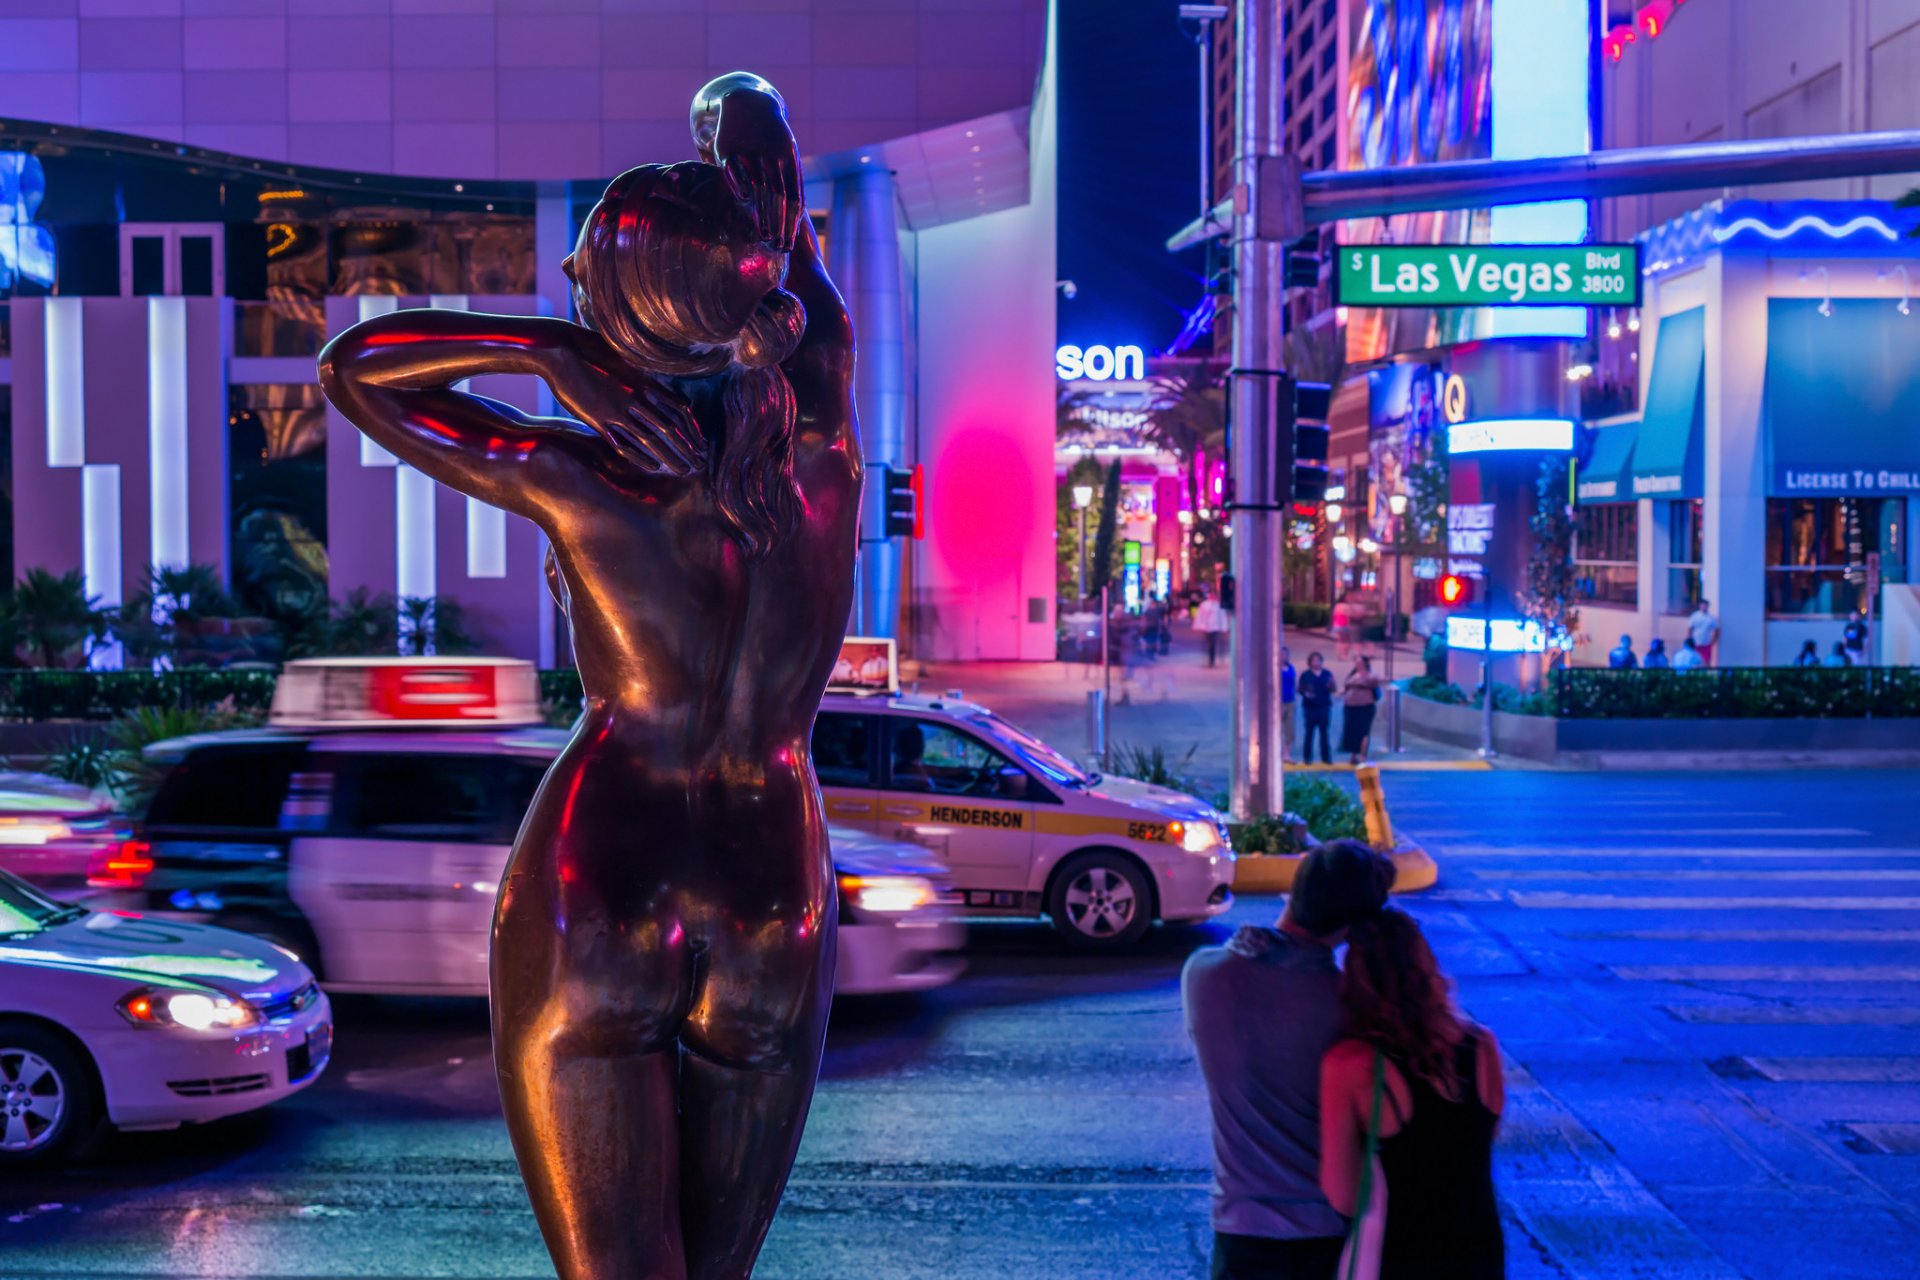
point(655, 274)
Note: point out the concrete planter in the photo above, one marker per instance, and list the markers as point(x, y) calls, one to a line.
point(1263, 873)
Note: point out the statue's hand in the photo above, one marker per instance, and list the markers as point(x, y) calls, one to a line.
point(647, 422)
point(757, 149)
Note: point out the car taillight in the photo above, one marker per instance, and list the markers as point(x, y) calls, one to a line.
point(122, 866)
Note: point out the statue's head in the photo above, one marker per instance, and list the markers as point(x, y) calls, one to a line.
point(670, 270)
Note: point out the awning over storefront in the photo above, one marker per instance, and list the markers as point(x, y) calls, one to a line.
point(1666, 455)
point(1843, 398)
point(1606, 476)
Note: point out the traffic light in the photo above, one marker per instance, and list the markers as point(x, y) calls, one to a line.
point(1300, 439)
point(905, 491)
point(1303, 269)
point(1227, 591)
point(1456, 592)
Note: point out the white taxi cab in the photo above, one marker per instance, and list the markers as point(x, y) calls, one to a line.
point(1022, 830)
point(368, 825)
point(147, 1024)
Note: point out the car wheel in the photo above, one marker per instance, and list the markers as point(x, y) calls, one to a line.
point(49, 1096)
point(1101, 899)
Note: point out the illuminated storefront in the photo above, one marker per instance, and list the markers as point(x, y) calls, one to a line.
point(1774, 468)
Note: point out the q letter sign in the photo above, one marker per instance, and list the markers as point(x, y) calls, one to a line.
point(1099, 363)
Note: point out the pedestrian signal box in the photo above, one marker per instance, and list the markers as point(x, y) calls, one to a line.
point(905, 508)
point(1456, 591)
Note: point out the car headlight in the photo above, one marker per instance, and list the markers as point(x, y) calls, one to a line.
point(1196, 837)
point(189, 1010)
point(889, 895)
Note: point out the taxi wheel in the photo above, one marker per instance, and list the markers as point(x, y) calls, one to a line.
point(49, 1098)
point(1101, 899)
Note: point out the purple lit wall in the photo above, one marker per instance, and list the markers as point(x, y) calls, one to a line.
point(524, 89)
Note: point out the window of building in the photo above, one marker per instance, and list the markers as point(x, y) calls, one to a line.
point(1826, 557)
point(842, 754)
point(1330, 57)
point(277, 498)
point(1686, 552)
point(1606, 554)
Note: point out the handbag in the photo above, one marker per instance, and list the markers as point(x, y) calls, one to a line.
point(1360, 1257)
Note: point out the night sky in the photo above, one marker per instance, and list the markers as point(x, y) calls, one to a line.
point(1129, 161)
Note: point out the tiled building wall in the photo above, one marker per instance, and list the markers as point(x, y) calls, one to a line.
point(521, 89)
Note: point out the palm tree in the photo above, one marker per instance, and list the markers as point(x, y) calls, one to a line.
point(55, 615)
point(1188, 417)
point(434, 624)
point(364, 623)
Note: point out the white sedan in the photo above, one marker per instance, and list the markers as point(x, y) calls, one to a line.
point(147, 1024)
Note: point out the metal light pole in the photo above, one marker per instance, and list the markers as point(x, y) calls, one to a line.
point(1257, 356)
point(1082, 499)
point(1397, 505)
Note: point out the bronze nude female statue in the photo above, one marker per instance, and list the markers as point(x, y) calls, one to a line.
point(663, 947)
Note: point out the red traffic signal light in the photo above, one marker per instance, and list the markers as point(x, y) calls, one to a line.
point(1455, 591)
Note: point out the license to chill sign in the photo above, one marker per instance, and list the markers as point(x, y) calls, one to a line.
point(1489, 275)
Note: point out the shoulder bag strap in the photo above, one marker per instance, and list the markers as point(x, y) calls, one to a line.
point(1366, 1169)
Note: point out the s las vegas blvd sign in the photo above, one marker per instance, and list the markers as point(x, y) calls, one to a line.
point(1488, 275)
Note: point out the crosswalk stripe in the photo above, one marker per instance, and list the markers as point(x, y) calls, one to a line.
point(1742, 935)
point(1697, 873)
point(1626, 902)
point(1827, 1015)
point(1601, 830)
point(1767, 972)
point(1838, 1070)
point(1672, 852)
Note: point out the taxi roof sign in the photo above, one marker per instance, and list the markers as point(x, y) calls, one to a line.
point(867, 664)
point(411, 693)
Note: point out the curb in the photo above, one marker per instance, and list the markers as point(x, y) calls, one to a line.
point(1269, 873)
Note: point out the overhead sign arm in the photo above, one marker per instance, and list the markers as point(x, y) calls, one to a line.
point(1334, 196)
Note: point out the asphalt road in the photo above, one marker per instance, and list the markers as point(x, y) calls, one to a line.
point(1708, 988)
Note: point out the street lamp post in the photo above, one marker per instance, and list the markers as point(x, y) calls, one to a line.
point(1397, 504)
point(1082, 499)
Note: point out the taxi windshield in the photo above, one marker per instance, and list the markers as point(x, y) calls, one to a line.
point(22, 910)
point(1033, 751)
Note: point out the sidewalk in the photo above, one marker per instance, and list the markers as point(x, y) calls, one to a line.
point(1177, 703)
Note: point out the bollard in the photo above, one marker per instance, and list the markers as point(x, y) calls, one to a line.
point(1097, 725)
point(1374, 802)
point(1393, 719)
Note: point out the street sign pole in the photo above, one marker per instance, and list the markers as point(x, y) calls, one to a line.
point(1263, 184)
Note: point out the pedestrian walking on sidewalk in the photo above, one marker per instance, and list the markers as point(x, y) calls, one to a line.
point(1361, 696)
point(1315, 687)
point(1427, 1085)
point(1703, 628)
point(1289, 695)
point(1262, 1012)
point(1854, 636)
point(1211, 621)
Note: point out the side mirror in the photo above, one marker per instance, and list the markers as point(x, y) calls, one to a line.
point(1012, 783)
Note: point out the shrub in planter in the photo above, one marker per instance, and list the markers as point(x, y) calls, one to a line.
point(1318, 810)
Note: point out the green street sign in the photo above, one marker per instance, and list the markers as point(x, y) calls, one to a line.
point(1488, 275)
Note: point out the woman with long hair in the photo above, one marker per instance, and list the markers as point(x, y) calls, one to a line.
point(663, 946)
point(1360, 697)
point(1431, 1081)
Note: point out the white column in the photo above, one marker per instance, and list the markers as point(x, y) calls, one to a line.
point(167, 473)
point(1733, 567)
